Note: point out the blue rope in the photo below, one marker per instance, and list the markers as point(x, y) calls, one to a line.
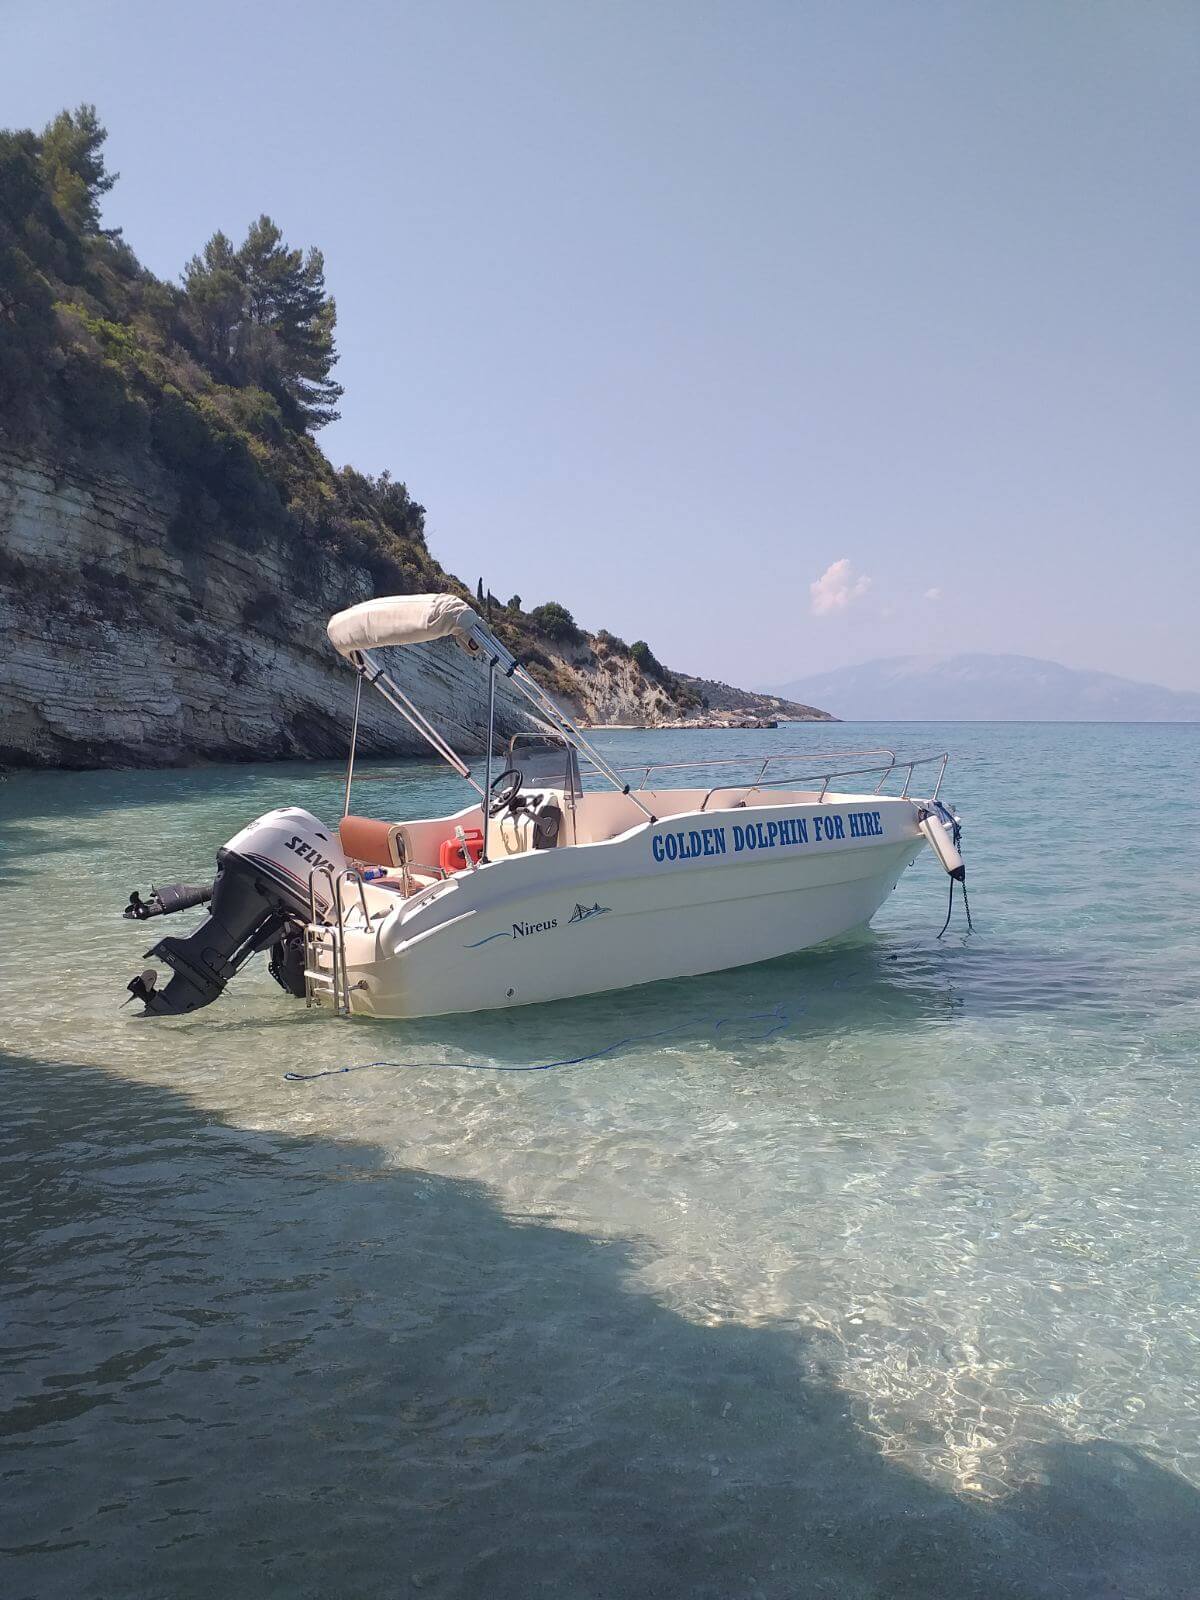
point(777, 1016)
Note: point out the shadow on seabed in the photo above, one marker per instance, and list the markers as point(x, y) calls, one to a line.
point(256, 1364)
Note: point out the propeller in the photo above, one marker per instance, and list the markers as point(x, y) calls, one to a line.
point(142, 987)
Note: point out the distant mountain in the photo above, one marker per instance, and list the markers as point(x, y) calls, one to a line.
point(985, 688)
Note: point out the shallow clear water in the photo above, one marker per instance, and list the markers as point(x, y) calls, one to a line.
point(898, 1300)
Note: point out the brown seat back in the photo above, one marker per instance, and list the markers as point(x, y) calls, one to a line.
point(364, 839)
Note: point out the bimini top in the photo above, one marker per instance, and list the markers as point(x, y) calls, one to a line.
point(400, 619)
point(415, 618)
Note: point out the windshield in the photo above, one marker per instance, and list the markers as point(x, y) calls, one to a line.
point(545, 762)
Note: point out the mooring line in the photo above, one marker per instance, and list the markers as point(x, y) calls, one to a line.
point(776, 1016)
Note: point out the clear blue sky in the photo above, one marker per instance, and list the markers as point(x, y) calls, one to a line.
point(663, 310)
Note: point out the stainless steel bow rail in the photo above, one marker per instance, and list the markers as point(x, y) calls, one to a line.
point(907, 767)
point(646, 768)
point(882, 772)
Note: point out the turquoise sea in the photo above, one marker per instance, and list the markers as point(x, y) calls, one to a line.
point(899, 1298)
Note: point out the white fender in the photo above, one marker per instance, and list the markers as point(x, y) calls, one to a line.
point(941, 842)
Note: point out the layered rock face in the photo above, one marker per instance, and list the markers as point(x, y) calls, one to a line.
point(128, 641)
point(119, 647)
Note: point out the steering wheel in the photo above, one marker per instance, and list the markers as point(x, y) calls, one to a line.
point(504, 790)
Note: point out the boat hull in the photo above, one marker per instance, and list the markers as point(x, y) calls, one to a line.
point(606, 917)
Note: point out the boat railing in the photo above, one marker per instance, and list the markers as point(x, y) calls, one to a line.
point(942, 758)
point(327, 935)
point(764, 764)
point(824, 775)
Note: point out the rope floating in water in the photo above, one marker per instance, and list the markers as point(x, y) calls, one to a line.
point(950, 906)
point(777, 1017)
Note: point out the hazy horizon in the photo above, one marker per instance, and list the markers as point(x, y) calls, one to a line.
point(935, 656)
point(784, 337)
point(987, 687)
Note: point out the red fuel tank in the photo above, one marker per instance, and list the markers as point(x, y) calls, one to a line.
point(452, 857)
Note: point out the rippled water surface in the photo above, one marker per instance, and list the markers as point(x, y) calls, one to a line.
point(899, 1299)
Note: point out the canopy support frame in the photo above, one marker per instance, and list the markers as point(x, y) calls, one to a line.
point(358, 683)
point(487, 759)
point(416, 719)
point(546, 707)
point(475, 637)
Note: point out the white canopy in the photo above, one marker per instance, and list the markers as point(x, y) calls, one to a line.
point(400, 619)
point(415, 618)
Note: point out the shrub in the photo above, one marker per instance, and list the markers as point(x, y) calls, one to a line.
point(96, 401)
point(555, 622)
point(647, 662)
point(253, 411)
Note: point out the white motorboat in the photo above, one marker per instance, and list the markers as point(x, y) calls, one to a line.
point(562, 877)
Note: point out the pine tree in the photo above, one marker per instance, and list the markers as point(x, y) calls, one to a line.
point(217, 300)
point(262, 316)
point(286, 295)
point(72, 160)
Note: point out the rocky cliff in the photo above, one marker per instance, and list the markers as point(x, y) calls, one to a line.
point(121, 647)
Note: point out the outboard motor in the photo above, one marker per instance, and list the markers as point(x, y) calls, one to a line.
point(259, 899)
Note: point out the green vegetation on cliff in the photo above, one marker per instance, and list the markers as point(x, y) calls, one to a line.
point(222, 380)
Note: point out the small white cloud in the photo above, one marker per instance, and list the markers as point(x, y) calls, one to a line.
point(933, 594)
point(837, 586)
